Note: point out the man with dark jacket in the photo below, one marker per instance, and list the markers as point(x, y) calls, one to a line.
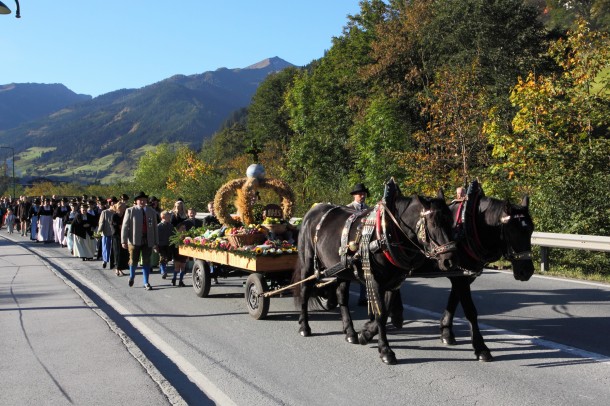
point(23, 214)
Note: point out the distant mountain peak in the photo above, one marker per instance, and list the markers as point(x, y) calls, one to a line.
point(275, 63)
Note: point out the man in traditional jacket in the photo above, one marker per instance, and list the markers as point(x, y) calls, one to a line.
point(139, 235)
point(104, 227)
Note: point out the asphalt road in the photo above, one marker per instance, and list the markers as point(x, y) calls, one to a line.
point(549, 338)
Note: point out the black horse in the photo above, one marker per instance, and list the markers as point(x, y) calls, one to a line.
point(390, 241)
point(496, 229)
point(486, 229)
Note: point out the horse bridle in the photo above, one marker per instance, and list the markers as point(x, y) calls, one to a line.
point(432, 249)
point(508, 251)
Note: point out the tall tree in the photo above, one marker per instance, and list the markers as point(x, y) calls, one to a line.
point(558, 113)
point(152, 172)
point(322, 105)
point(453, 148)
point(560, 143)
point(447, 64)
point(190, 178)
point(267, 120)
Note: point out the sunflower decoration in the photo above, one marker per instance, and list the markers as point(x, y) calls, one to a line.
point(245, 189)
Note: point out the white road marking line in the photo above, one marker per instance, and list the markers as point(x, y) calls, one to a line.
point(521, 337)
point(182, 363)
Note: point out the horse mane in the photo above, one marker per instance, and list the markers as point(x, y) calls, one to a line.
point(403, 202)
point(493, 210)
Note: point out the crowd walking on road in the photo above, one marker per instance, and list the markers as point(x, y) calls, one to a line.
point(123, 233)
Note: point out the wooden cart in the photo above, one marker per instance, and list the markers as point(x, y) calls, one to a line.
point(264, 273)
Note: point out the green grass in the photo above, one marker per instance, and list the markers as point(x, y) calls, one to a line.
point(97, 169)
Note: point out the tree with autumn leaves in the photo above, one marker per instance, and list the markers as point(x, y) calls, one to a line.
point(172, 172)
point(558, 147)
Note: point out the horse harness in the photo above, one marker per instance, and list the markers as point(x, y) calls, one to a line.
point(358, 252)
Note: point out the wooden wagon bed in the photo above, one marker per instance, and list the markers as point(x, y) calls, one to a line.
point(262, 263)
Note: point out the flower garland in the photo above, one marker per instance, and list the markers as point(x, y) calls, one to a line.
point(214, 239)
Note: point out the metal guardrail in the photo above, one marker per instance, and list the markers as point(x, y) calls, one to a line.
point(546, 241)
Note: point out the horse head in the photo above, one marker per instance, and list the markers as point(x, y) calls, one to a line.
point(517, 228)
point(434, 230)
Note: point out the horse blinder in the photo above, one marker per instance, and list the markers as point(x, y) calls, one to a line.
point(510, 253)
point(432, 249)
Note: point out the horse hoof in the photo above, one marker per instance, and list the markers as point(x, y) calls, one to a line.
point(352, 338)
point(397, 322)
point(448, 341)
point(362, 339)
point(305, 332)
point(484, 356)
point(389, 359)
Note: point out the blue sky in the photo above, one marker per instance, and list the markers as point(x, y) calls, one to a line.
point(94, 46)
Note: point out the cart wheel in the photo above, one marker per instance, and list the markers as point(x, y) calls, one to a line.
point(201, 278)
point(258, 306)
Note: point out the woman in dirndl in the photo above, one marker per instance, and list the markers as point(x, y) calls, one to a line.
point(68, 240)
point(82, 231)
point(121, 255)
point(45, 222)
point(59, 214)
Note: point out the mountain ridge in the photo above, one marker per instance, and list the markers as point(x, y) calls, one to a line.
point(118, 126)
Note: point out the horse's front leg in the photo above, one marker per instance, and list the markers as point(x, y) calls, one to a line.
point(470, 311)
point(447, 335)
point(395, 307)
point(385, 352)
point(304, 328)
point(343, 299)
point(393, 302)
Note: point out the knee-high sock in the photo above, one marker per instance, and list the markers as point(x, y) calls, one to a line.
point(132, 271)
point(145, 273)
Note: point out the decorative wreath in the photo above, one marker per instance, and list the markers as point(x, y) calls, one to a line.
point(246, 188)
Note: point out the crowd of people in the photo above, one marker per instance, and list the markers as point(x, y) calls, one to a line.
point(120, 232)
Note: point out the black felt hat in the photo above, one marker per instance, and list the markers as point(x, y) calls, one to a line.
point(141, 195)
point(359, 188)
